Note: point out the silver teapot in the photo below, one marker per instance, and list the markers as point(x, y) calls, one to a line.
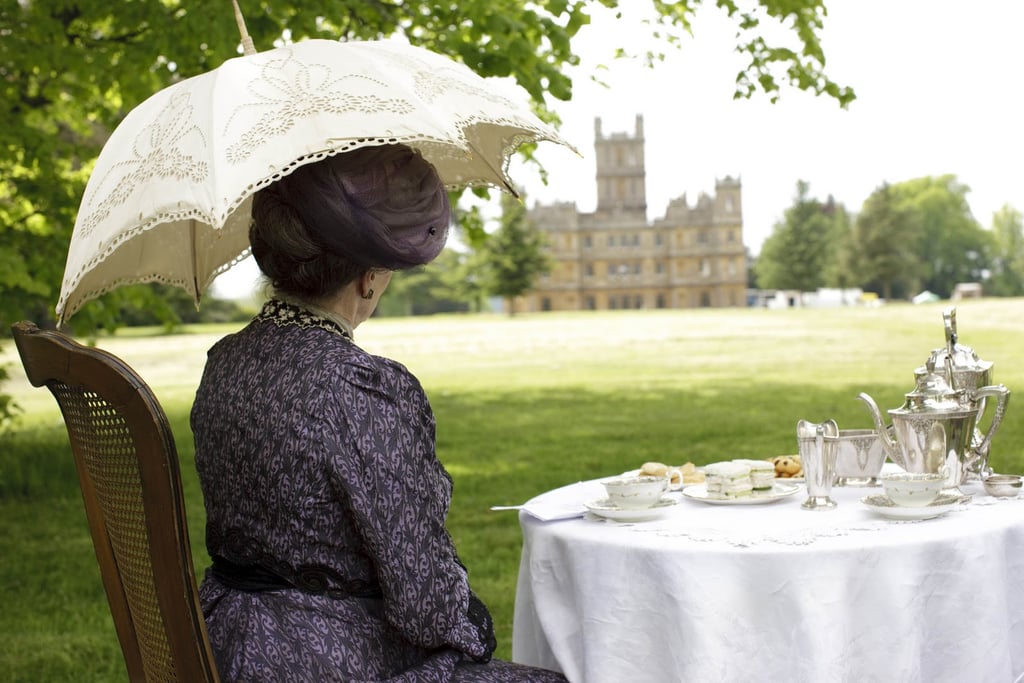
point(934, 429)
point(966, 371)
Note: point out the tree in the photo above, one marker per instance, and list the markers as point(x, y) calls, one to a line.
point(884, 242)
point(1007, 278)
point(442, 286)
point(514, 255)
point(800, 252)
point(952, 247)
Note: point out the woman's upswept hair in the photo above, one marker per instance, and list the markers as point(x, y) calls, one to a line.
point(328, 222)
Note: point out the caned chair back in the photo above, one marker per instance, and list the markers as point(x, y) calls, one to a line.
point(131, 486)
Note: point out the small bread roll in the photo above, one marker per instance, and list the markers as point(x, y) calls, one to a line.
point(654, 469)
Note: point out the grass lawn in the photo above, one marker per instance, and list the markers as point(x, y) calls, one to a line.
point(523, 405)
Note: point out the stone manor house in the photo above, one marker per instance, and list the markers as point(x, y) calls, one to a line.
point(614, 258)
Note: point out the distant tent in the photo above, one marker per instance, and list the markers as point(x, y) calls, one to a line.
point(925, 297)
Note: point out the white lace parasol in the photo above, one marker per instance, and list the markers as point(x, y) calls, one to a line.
point(169, 198)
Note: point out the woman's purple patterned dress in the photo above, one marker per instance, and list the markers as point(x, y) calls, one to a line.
point(326, 509)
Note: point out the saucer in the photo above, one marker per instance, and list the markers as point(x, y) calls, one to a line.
point(887, 508)
point(603, 507)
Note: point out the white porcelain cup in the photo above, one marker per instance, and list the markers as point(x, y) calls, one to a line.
point(913, 489)
point(636, 492)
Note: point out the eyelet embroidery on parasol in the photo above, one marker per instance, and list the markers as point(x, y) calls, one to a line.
point(157, 152)
point(293, 90)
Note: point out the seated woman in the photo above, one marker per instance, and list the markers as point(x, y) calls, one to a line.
point(325, 500)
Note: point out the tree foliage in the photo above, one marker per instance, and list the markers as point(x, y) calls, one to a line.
point(800, 252)
point(514, 255)
point(908, 236)
point(1007, 259)
point(952, 247)
point(886, 235)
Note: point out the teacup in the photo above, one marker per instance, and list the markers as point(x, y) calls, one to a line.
point(913, 489)
point(637, 492)
point(860, 459)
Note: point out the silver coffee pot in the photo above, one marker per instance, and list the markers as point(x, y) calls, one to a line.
point(934, 428)
point(965, 370)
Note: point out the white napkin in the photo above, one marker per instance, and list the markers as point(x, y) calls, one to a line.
point(564, 503)
point(549, 512)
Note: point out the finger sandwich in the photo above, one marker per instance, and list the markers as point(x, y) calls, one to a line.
point(762, 474)
point(728, 480)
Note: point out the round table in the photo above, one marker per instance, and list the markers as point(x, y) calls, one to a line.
point(773, 592)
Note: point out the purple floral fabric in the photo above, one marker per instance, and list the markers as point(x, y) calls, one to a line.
point(317, 464)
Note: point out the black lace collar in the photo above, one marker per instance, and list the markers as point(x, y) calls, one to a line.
point(283, 313)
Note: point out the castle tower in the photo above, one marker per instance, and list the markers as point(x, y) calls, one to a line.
point(620, 169)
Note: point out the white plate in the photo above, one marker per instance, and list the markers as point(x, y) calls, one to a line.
point(789, 480)
point(885, 507)
point(778, 492)
point(605, 508)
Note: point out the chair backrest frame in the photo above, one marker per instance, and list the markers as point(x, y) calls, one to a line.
point(68, 369)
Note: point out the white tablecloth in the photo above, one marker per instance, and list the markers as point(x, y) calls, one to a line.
point(774, 592)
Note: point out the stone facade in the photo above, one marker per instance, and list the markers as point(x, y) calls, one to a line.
point(614, 258)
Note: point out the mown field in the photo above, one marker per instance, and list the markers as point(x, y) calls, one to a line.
point(523, 405)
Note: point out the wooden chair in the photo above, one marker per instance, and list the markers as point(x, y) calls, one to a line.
point(131, 485)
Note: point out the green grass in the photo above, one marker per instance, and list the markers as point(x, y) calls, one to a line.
point(523, 405)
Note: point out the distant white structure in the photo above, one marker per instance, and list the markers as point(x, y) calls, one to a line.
point(824, 297)
point(966, 290)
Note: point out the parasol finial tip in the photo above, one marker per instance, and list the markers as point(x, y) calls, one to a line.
point(247, 45)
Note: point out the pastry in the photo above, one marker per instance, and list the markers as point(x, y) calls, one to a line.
point(787, 466)
point(654, 469)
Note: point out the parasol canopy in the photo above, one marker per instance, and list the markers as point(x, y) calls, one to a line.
point(169, 198)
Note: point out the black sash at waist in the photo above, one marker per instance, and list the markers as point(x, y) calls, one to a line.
point(253, 578)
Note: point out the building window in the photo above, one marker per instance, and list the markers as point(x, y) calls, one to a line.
point(702, 237)
point(589, 303)
point(587, 242)
point(611, 240)
point(660, 301)
point(658, 239)
point(588, 270)
point(705, 267)
point(638, 301)
point(545, 304)
point(728, 205)
point(705, 299)
point(659, 268)
point(613, 303)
